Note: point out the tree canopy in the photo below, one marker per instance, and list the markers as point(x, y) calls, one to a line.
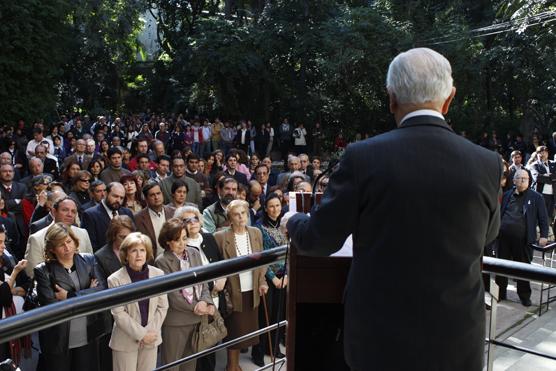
point(312, 61)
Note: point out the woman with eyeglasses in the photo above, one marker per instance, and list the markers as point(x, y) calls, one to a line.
point(208, 250)
point(80, 189)
point(66, 274)
point(186, 306)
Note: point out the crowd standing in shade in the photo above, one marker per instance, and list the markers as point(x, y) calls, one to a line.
point(87, 204)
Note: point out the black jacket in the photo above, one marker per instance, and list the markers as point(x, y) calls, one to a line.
point(108, 263)
point(415, 192)
point(96, 221)
point(535, 213)
point(54, 340)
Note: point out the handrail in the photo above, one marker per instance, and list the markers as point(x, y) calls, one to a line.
point(53, 314)
point(521, 271)
point(50, 315)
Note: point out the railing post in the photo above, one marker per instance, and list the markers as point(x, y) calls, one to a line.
point(494, 292)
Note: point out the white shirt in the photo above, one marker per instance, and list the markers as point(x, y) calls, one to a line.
point(108, 210)
point(158, 220)
point(243, 247)
point(547, 188)
point(422, 112)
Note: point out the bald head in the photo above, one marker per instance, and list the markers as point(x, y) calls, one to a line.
point(521, 180)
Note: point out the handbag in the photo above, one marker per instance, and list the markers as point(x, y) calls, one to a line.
point(209, 333)
point(31, 299)
point(225, 306)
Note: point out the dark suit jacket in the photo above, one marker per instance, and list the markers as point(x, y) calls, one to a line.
point(96, 221)
point(40, 224)
point(50, 167)
point(86, 160)
point(540, 177)
point(54, 340)
point(180, 312)
point(239, 177)
point(144, 225)
point(535, 213)
point(108, 263)
point(415, 192)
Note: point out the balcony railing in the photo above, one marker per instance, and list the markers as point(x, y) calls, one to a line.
point(43, 317)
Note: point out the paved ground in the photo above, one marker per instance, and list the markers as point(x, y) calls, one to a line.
point(523, 327)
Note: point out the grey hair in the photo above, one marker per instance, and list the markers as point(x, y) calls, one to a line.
point(188, 209)
point(419, 75)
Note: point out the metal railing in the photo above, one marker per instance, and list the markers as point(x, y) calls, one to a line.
point(44, 317)
point(53, 314)
point(520, 271)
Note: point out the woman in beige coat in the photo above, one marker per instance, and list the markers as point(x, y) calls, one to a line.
point(247, 287)
point(186, 305)
point(136, 332)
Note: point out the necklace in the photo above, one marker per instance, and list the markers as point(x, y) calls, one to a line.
point(247, 245)
point(273, 225)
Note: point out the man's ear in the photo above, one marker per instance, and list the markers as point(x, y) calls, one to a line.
point(393, 102)
point(448, 101)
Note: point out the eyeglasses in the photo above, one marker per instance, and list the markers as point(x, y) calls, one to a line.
point(522, 180)
point(85, 180)
point(191, 219)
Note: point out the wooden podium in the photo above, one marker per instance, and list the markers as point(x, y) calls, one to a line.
point(315, 312)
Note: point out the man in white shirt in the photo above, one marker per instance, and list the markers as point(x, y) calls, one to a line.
point(38, 137)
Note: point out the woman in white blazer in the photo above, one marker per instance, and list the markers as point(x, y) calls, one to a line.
point(136, 333)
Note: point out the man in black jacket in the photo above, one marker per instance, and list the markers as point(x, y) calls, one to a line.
point(522, 211)
point(414, 192)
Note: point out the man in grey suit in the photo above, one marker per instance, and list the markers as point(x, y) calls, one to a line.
point(415, 192)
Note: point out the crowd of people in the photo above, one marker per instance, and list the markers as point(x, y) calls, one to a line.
point(86, 207)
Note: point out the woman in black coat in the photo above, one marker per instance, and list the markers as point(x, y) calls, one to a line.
point(66, 274)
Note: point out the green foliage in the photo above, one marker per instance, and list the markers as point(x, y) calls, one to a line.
point(264, 60)
point(32, 35)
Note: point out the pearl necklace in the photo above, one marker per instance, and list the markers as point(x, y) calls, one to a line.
point(238, 252)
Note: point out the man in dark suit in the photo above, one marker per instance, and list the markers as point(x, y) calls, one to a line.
point(149, 221)
point(413, 191)
point(231, 164)
point(543, 173)
point(13, 192)
point(97, 192)
point(522, 211)
point(49, 165)
point(97, 219)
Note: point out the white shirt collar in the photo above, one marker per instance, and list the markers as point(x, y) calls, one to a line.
point(154, 214)
point(422, 112)
point(108, 210)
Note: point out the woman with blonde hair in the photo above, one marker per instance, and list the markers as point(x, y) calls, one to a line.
point(245, 288)
point(65, 274)
point(136, 332)
point(186, 305)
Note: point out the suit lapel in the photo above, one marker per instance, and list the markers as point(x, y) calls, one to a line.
point(229, 243)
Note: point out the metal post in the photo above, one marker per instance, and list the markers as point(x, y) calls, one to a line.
point(494, 296)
